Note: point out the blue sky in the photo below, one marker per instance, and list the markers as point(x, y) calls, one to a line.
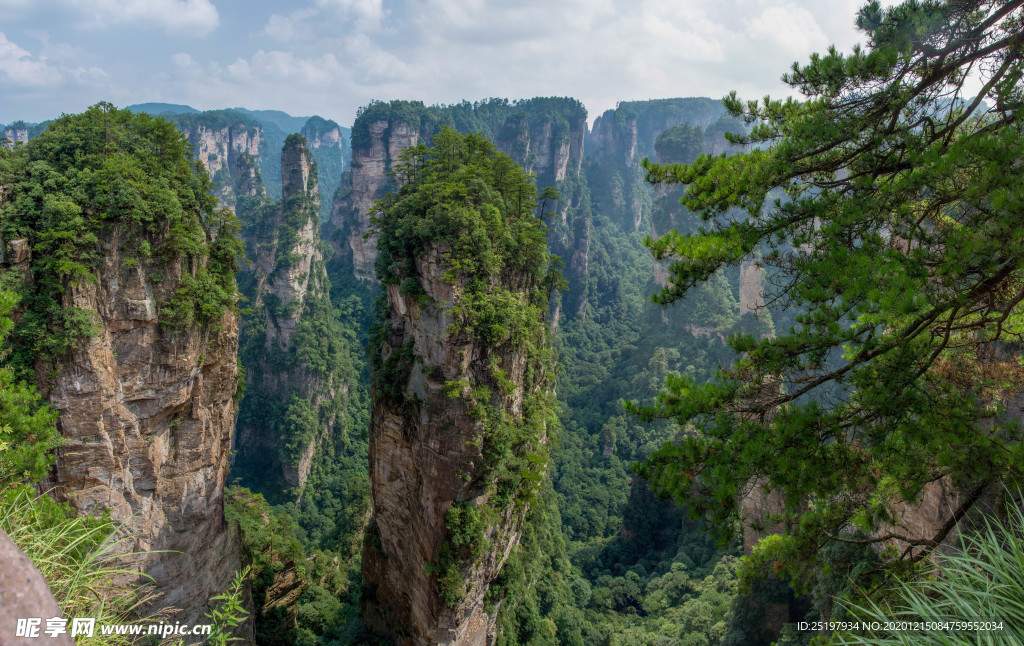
point(329, 57)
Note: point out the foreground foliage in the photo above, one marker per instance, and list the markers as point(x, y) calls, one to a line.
point(982, 582)
point(888, 208)
point(301, 594)
point(28, 431)
point(75, 556)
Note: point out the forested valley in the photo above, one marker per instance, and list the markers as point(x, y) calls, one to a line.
point(693, 372)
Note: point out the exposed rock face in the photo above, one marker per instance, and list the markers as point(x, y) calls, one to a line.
point(147, 416)
point(24, 594)
point(289, 287)
point(219, 148)
point(371, 164)
point(925, 518)
point(249, 182)
point(622, 137)
point(543, 147)
point(320, 133)
point(16, 135)
point(289, 282)
point(145, 407)
point(328, 143)
point(751, 289)
point(614, 138)
point(551, 147)
point(755, 504)
point(228, 153)
point(425, 461)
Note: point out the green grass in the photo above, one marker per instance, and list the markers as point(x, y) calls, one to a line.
point(983, 581)
point(78, 558)
point(75, 555)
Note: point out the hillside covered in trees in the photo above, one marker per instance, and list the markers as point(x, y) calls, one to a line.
point(698, 372)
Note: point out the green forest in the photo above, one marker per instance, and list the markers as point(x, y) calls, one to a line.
point(697, 373)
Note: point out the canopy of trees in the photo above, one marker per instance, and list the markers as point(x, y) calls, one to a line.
point(887, 205)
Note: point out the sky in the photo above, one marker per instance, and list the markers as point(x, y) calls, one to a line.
point(329, 57)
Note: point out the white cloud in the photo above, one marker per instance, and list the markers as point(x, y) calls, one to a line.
point(367, 14)
point(292, 27)
point(19, 67)
point(179, 17)
point(331, 56)
point(182, 60)
point(790, 28)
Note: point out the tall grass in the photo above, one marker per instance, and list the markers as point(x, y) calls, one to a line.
point(983, 581)
point(75, 555)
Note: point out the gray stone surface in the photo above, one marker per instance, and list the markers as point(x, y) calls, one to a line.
point(23, 595)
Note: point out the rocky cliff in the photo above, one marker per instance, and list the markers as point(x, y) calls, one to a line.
point(460, 417)
point(628, 132)
point(295, 387)
point(24, 593)
point(328, 143)
point(16, 134)
point(622, 137)
point(544, 136)
point(322, 133)
point(147, 419)
point(21, 132)
point(220, 140)
point(128, 325)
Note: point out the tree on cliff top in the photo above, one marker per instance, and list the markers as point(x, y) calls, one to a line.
point(94, 177)
point(890, 211)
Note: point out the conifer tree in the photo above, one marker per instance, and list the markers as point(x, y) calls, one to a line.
point(888, 205)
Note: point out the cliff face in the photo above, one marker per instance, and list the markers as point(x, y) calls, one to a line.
point(548, 146)
point(17, 134)
point(629, 131)
point(458, 426)
point(322, 133)
point(544, 136)
point(147, 417)
point(622, 137)
point(422, 464)
point(614, 137)
point(219, 147)
point(23, 593)
point(135, 346)
point(327, 141)
point(751, 299)
point(367, 180)
point(288, 286)
point(21, 132)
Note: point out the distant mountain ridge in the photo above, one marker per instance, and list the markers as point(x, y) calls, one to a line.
point(218, 136)
point(157, 109)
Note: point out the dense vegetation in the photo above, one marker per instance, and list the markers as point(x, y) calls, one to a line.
point(303, 393)
point(90, 181)
point(629, 546)
point(476, 207)
point(619, 540)
point(102, 173)
point(297, 378)
point(884, 211)
point(888, 204)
